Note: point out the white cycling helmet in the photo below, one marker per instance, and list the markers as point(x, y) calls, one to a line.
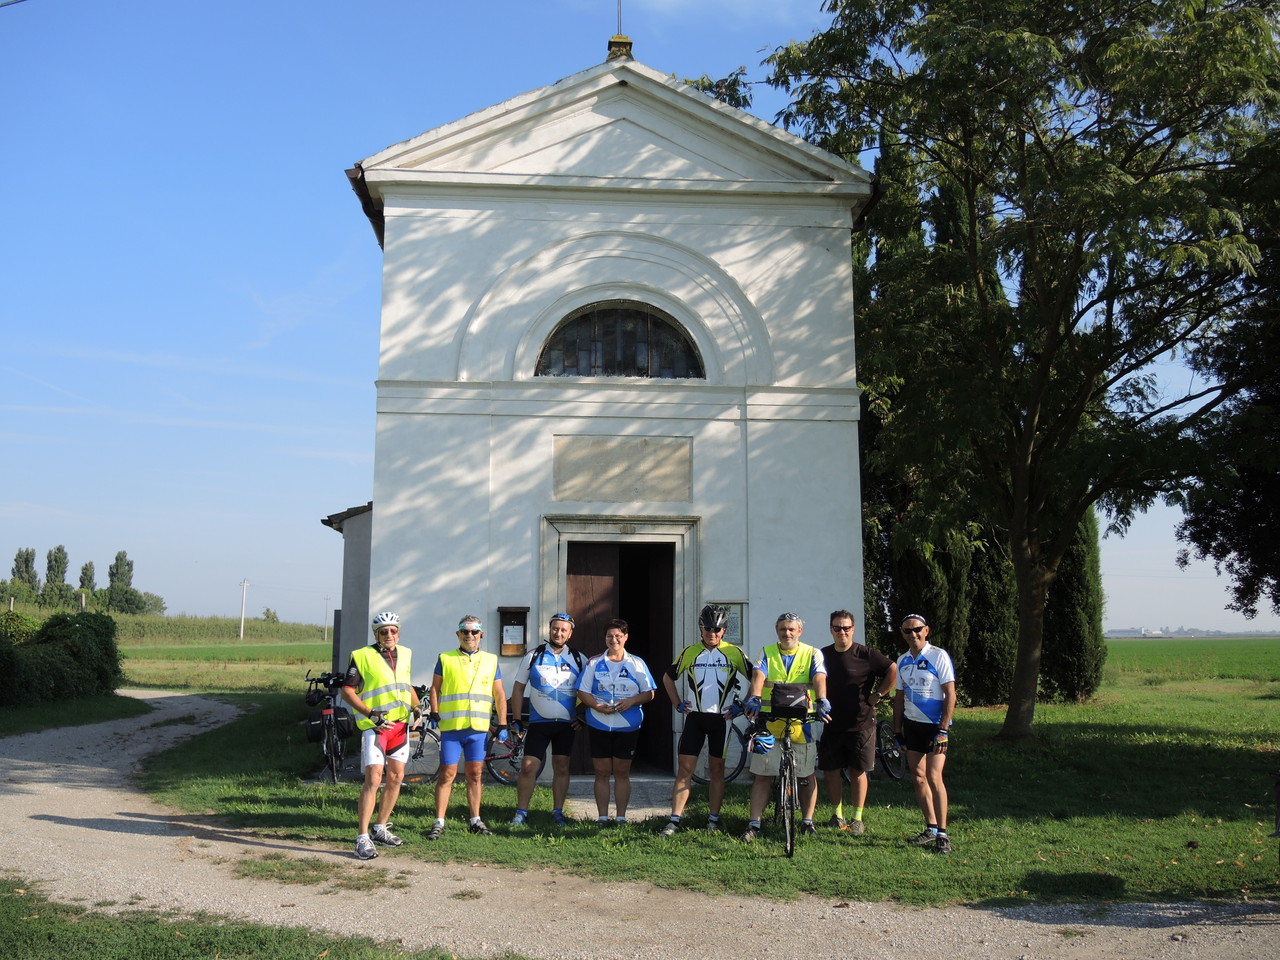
point(386, 620)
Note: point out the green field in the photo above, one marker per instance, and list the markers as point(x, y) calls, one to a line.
point(1190, 658)
point(233, 666)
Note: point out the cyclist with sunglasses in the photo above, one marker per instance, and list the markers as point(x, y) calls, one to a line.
point(922, 713)
point(549, 674)
point(465, 690)
point(791, 662)
point(378, 690)
point(858, 678)
point(701, 684)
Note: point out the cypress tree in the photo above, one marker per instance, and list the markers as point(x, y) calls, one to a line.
point(1074, 649)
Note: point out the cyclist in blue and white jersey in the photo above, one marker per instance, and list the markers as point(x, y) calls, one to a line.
point(701, 684)
point(614, 685)
point(922, 712)
point(550, 674)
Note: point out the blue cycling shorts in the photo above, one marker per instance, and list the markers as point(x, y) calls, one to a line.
point(455, 744)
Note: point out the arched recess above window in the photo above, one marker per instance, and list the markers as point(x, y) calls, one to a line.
point(619, 338)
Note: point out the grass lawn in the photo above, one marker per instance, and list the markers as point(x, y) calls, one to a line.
point(38, 929)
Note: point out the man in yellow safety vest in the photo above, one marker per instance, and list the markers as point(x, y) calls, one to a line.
point(378, 690)
point(465, 689)
point(791, 662)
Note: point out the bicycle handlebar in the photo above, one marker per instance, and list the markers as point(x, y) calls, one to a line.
point(330, 681)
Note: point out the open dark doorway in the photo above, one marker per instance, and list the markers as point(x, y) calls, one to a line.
point(634, 581)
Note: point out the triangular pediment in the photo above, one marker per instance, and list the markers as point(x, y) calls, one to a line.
point(616, 121)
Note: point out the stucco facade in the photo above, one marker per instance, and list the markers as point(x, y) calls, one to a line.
point(616, 184)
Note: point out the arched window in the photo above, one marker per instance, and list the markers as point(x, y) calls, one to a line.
point(619, 338)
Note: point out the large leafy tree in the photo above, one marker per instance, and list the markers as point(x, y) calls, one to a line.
point(1233, 509)
point(1057, 222)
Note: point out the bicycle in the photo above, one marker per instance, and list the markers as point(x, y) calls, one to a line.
point(503, 760)
point(423, 764)
point(332, 723)
point(891, 757)
point(424, 758)
point(786, 796)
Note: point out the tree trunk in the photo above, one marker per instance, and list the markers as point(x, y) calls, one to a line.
point(1033, 586)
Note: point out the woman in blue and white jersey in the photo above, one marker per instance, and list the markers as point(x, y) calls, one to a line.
point(614, 685)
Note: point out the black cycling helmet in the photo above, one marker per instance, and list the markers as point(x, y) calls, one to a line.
point(713, 617)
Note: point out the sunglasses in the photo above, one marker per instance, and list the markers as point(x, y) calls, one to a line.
point(471, 633)
point(842, 629)
point(913, 629)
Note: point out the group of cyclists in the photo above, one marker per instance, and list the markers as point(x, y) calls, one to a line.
point(836, 690)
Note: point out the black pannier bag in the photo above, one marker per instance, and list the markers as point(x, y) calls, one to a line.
point(342, 718)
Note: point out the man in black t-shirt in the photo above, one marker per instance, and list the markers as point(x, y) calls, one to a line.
point(858, 678)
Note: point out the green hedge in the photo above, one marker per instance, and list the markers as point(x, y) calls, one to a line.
point(17, 627)
point(71, 655)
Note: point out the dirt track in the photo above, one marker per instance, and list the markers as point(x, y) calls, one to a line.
point(74, 824)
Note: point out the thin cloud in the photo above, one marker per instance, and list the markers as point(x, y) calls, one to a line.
point(220, 366)
point(131, 416)
point(13, 372)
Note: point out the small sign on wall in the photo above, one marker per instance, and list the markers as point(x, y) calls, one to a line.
point(733, 631)
point(514, 624)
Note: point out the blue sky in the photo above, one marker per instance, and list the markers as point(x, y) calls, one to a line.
point(189, 293)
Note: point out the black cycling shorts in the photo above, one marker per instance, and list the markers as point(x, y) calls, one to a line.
point(558, 734)
point(613, 744)
point(855, 749)
point(918, 737)
point(700, 728)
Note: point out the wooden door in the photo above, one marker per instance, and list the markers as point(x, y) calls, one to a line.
point(634, 582)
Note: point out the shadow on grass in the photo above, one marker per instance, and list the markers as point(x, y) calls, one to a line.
point(1110, 770)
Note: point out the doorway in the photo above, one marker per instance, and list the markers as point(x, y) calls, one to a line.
point(634, 581)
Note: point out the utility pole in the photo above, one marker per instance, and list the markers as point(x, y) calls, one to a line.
point(244, 592)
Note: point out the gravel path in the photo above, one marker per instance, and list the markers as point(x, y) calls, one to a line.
point(79, 828)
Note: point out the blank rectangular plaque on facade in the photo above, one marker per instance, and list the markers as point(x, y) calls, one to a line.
point(624, 469)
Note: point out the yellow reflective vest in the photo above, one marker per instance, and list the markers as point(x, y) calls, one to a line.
point(801, 667)
point(466, 690)
point(381, 689)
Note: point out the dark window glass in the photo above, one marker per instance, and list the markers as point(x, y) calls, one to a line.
point(619, 338)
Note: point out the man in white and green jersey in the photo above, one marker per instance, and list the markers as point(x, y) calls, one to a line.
point(701, 684)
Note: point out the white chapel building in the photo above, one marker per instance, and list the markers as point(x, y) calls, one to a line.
point(617, 376)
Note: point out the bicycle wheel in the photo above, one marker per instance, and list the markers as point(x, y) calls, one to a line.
point(503, 760)
point(424, 757)
point(333, 751)
point(735, 749)
point(890, 758)
point(788, 801)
